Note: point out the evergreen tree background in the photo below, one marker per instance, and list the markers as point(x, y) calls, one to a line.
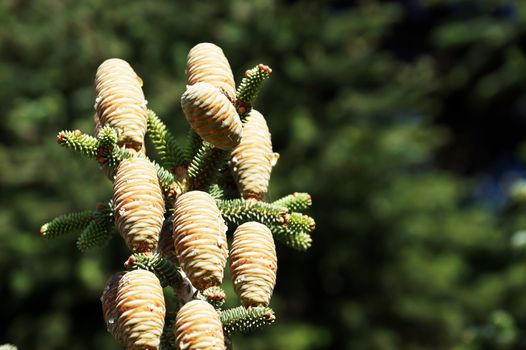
point(405, 120)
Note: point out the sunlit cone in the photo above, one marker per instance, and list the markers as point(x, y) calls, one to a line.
point(109, 303)
point(252, 159)
point(120, 102)
point(253, 264)
point(138, 204)
point(133, 309)
point(212, 115)
point(200, 239)
point(207, 63)
point(198, 327)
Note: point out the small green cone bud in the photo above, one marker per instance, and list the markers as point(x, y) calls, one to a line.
point(200, 239)
point(253, 264)
point(211, 115)
point(198, 327)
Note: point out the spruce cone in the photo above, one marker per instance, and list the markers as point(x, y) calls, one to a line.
point(207, 63)
point(138, 204)
point(253, 264)
point(252, 159)
point(198, 327)
point(212, 115)
point(200, 239)
point(109, 303)
point(120, 102)
point(133, 309)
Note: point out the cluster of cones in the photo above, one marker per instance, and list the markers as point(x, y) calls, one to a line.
point(195, 236)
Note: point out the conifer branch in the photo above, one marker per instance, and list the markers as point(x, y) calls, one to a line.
point(67, 223)
point(165, 270)
point(243, 320)
point(109, 153)
point(99, 231)
point(104, 213)
point(193, 143)
point(297, 240)
point(291, 229)
point(295, 202)
point(95, 235)
point(249, 87)
point(171, 154)
point(238, 211)
point(295, 232)
point(107, 137)
point(79, 142)
point(216, 192)
point(204, 167)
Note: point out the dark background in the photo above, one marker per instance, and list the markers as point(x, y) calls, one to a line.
point(406, 121)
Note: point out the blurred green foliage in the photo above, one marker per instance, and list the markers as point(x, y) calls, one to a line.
point(373, 107)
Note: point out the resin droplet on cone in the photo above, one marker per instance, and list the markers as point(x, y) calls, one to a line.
point(253, 264)
point(138, 204)
point(211, 115)
point(207, 63)
point(198, 327)
point(120, 102)
point(200, 239)
point(134, 309)
point(252, 159)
